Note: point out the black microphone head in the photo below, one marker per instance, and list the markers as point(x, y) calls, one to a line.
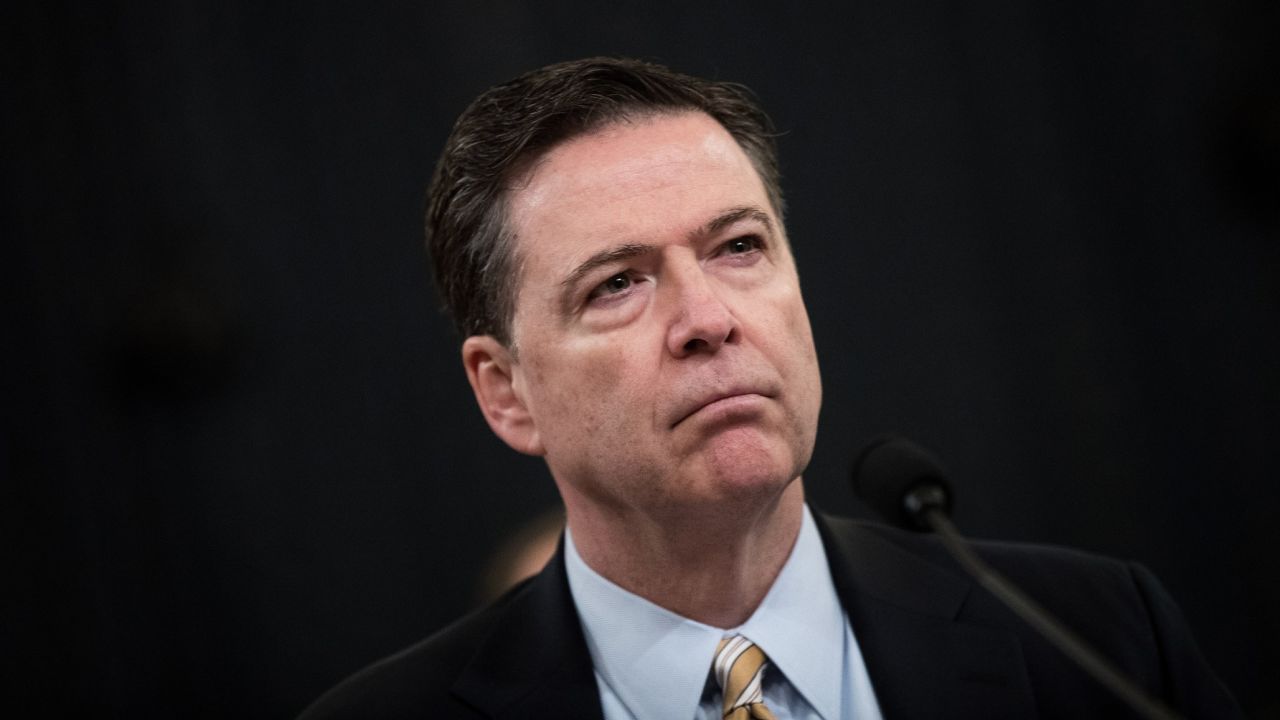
point(900, 480)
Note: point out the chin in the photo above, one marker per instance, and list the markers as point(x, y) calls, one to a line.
point(742, 465)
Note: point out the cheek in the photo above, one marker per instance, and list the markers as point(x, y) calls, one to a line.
point(585, 389)
point(787, 319)
point(792, 339)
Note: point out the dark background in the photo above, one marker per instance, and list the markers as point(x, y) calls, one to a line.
point(240, 458)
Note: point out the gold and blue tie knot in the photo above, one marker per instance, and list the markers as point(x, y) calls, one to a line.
point(739, 670)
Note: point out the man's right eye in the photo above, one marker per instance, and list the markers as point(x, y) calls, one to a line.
point(614, 285)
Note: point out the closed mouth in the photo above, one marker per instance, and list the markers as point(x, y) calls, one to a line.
point(730, 397)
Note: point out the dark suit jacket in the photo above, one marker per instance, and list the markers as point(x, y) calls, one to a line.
point(936, 645)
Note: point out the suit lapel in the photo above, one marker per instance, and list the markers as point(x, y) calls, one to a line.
point(535, 663)
point(907, 615)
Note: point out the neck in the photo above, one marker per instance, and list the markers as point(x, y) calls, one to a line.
point(712, 566)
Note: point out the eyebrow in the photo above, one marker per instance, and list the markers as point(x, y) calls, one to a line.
point(604, 257)
point(731, 216)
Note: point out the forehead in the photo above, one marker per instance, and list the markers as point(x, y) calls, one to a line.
point(645, 180)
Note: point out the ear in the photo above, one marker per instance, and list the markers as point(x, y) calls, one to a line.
point(495, 379)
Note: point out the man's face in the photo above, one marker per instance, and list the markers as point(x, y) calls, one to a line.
point(663, 351)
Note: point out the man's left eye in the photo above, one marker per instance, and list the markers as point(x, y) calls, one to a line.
point(737, 246)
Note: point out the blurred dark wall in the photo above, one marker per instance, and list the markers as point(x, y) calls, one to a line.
point(240, 458)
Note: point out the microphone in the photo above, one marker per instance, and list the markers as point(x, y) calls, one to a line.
point(900, 481)
point(907, 486)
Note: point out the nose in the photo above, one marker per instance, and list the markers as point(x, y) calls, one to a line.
point(702, 323)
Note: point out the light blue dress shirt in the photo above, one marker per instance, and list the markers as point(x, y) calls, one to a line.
point(652, 664)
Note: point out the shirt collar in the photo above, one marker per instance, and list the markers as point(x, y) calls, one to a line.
point(800, 624)
point(637, 646)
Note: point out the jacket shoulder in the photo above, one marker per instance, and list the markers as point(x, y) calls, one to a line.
point(420, 676)
point(1117, 606)
point(1067, 575)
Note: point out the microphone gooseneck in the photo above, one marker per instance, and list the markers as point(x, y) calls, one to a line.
point(907, 486)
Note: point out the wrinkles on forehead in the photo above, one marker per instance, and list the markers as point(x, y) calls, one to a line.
point(529, 197)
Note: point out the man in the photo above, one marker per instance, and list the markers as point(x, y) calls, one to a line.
point(609, 236)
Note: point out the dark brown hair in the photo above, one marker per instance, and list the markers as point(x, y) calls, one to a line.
point(510, 126)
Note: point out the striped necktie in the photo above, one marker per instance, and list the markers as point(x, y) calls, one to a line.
point(739, 669)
